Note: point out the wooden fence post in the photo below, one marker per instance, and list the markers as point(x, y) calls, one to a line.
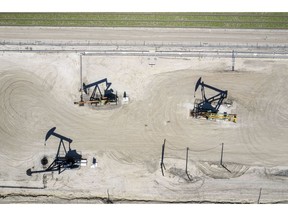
point(186, 169)
point(221, 159)
point(162, 158)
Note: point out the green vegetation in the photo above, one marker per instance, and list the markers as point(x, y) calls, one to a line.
point(173, 20)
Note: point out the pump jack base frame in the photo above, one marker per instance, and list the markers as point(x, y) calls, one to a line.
point(214, 116)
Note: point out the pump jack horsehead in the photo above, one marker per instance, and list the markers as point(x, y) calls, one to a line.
point(70, 160)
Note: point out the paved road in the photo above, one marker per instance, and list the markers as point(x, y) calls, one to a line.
point(236, 36)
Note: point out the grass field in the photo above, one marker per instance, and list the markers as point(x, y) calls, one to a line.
point(173, 20)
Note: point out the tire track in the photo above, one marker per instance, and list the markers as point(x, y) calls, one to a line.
point(266, 118)
point(216, 171)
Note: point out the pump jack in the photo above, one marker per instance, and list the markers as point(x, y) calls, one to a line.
point(97, 96)
point(70, 160)
point(209, 107)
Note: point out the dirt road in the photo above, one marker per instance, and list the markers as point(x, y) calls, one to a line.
point(211, 36)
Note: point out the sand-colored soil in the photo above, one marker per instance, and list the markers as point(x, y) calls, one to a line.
point(37, 92)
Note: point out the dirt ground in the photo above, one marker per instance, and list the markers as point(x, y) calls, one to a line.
point(37, 92)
